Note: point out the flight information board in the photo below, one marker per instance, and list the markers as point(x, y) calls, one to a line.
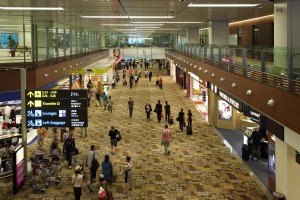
point(56, 108)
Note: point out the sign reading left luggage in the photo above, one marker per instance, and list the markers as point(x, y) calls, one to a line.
point(56, 108)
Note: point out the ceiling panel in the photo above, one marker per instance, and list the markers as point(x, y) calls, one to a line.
point(75, 8)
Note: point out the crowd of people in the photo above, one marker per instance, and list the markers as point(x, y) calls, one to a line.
point(108, 173)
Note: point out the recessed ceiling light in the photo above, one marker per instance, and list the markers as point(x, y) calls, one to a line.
point(222, 5)
point(30, 8)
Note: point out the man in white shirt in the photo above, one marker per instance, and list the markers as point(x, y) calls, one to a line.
point(91, 154)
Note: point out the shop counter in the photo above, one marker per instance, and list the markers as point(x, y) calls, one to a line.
point(247, 123)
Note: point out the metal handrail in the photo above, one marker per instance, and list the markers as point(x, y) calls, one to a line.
point(281, 82)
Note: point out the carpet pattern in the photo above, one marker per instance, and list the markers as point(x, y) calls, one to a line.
point(199, 167)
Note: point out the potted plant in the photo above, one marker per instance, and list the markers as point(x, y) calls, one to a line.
point(12, 44)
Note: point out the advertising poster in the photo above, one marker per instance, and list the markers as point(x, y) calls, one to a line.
point(75, 81)
point(225, 110)
point(272, 159)
point(117, 53)
point(18, 169)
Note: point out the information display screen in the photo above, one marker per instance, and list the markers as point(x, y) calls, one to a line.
point(18, 168)
point(56, 108)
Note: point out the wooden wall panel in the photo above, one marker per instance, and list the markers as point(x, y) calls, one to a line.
point(266, 30)
point(286, 110)
point(10, 80)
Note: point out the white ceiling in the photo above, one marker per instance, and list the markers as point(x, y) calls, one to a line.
point(178, 8)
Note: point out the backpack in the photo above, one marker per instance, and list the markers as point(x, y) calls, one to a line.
point(101, 193)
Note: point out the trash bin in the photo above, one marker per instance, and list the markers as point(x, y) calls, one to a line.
point(278, 196)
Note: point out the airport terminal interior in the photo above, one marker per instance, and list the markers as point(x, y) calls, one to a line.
point(233, 64)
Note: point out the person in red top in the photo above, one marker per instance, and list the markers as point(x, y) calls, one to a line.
point(166, 139)
point(160, 83)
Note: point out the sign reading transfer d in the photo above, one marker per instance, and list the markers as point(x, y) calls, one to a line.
point(56, 108)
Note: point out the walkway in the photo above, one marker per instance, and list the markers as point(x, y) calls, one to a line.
point(199, 167)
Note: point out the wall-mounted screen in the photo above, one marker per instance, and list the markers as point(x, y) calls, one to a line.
point(225, 110)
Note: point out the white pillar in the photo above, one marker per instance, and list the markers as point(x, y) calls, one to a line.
point(287, 170)
point(218, 33)
point(193, 36)
point(286, 33)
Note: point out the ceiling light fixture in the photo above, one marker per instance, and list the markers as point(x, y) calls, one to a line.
point(151, 17)
point(222, 5)
point(126, 17)
point(104, 17)
point(184, 22)
point(31, 8)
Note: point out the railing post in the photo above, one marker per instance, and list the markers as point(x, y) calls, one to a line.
point(220, 54)
point(244, 54)
point(230, 59)
point(290, 69)
point(212, 53)
point(263, 61)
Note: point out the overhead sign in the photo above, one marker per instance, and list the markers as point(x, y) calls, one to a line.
point(231, 100)
point(56, 108)
point(254, 115)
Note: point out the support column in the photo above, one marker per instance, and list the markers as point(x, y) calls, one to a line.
point(102, 40)
point(218, 33)
point(286, 38)
point(193, 36)
point(287, 170)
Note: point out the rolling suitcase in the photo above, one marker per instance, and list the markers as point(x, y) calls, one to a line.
point(245, 152)
point(171, 121)
point(189, 130)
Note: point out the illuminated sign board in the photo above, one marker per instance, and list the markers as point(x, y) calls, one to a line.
point(232, 101)
point(18, 168)
point(56, 108)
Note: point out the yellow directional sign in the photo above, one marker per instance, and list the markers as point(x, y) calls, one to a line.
point(37, 94)
point(30, 94)
point(38, 103)
point(30, 103)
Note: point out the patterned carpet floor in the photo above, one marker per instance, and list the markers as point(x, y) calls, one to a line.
point(199, 167)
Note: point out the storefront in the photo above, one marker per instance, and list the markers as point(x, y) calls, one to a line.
point(99, 75)
point(180, 76)
point(197, 91)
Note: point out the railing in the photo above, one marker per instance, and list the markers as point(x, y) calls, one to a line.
point(281, 82)
point(53, 61)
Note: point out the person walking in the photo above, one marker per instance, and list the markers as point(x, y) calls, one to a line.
point(256, 138)
point(41, 131)
point(131, 81)
point(157, 80)
point(104, 98)
point(189, 118)
point(107, 169)
point(150, 76)
point(109, 104)
point(69, 147)
point(77, 182)
point(160, 83)
point(113, 139)
point(167, 111)
point(127, 173)
point(90, 156)
point(130, 106)
point(148, 110)
point(158, 110)
point(166, 139)
point(181, 119)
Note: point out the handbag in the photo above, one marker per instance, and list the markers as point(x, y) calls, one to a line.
point(155, 109)
point(118, 136)
point(101, 193)
point(95, 163)
point(161, 143)
point(177, 119)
